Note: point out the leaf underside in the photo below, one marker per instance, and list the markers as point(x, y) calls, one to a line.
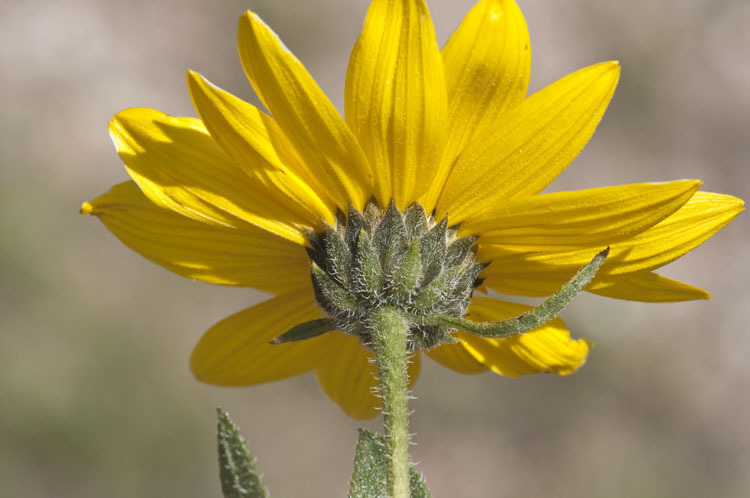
point(370, 478)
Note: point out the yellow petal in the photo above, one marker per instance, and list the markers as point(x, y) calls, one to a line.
point(456, 357)
point(259, 147)
point(531, 145)
point(542, 272)
point(236, 351)
point(179, 166)
point(648, 287)
point(548, 348)
point(580, 218)
point(487, 66)
point(348, 375)
point(213, 253)
point(308, 118)
point(396, 100)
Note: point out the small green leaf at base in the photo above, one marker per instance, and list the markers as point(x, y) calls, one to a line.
point(306, 330)
point(239, 477)
point(370, 478)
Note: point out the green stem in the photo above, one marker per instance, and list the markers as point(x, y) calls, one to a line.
point(389, 333)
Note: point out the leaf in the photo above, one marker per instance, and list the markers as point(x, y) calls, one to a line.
point(534, 318)
point(306, 330)
point(370, 478)
point(239, 477)
point(417, 485)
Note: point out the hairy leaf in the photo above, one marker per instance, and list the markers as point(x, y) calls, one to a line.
point(239, 477)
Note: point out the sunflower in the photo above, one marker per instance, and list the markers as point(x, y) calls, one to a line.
point(438, 166)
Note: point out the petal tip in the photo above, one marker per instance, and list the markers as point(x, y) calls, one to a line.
point(248, 18)
point(615, 67)
point(732, 204)
point(608, 69)
point(585, 347)
point(114, 122)
point(691, 186)
point(195, 81)
point(87, 208)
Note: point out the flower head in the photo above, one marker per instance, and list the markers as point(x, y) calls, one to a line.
point(242, 197)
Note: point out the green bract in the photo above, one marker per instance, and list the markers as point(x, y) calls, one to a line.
point(408, 263)
point(405, 261)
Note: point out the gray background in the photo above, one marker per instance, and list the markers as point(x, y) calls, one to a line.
point(95, 395)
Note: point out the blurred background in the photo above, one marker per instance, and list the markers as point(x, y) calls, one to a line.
point(95, 395)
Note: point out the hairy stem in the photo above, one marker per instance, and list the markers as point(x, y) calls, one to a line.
point(389, 334)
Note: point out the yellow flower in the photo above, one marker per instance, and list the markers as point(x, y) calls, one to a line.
point(229, 197)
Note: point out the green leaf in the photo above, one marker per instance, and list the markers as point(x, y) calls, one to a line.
point(534, 318)
point(239, 477)
point(306, 330)
point(417, 485)
point(370, 478)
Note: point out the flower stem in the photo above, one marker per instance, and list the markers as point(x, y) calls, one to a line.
point(389, 337)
